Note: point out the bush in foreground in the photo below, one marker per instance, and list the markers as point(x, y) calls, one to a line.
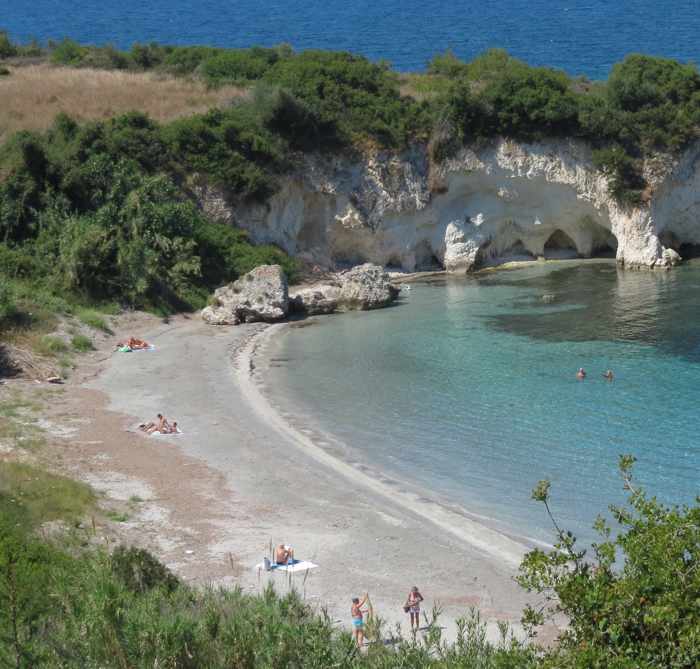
point(636, 605)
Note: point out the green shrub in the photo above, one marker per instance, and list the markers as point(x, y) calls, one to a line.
point(623, 172)
point(7, 48)
point(635, 604)
point(238, 66)
point(352, 97)
point(94, 320)
point(81, 343)
point(68, 52)
point(139, 571)
point(4, 72)
point(51, 345)
point(447, 65)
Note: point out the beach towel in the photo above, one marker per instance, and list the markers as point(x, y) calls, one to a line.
point(128, 349)
point(297, 565)
point(166, 434)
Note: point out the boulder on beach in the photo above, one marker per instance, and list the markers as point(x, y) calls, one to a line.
point(260, 295)
point(361, 288)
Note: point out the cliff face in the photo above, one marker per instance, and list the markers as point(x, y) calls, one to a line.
point(487, 204)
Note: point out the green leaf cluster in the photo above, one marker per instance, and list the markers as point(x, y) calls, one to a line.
point(635, 601)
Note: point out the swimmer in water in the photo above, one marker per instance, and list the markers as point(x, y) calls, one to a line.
point(609, 375)
point(581, 374)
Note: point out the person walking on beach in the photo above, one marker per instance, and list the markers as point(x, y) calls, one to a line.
point(358, 622)
point(412, 607)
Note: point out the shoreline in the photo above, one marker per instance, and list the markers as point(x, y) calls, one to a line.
point(478, 534)
point(271, 487)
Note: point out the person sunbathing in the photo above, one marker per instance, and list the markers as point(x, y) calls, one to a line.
point(134, 344)
point(161, 425)
point(173, 429)
point(284, 554)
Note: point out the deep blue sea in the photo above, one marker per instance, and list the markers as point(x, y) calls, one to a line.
point(579, 37)
point(467, 388)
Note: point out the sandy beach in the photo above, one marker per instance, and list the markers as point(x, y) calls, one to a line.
point(212, 499)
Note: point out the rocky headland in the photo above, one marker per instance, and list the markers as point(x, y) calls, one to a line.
point(495, 201)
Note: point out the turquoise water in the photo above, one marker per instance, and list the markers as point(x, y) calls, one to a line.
point(580, 37)
point(466, 390)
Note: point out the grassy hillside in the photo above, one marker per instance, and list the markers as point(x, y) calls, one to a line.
point(33, 95)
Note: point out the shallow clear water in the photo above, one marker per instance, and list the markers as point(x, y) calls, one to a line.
point(467, 389)
point(580, 37)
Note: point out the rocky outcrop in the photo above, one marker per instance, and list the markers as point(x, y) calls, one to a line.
point(362, 288)
point(488, 203)
point(260, 295)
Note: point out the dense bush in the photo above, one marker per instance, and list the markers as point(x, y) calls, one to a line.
point(636, 605)
point(238, 66)
point(96, 211)
point(352, 97)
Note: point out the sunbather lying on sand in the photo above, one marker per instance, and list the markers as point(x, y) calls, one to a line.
point(134, 344)
point(161, 425)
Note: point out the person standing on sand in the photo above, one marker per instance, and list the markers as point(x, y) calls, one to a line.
point(358, 622)
point(412, 607)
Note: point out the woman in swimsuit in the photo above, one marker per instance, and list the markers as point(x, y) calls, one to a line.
point(413, 607)
point(358, 623)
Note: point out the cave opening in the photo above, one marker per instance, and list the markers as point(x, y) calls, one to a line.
point(688, 250)
point(603, 241)
point(604, 247)
point(394, 264)
point(560, 245)
point(518, 251)
point(426, 260)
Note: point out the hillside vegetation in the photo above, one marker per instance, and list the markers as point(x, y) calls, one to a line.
point(632, 603)
point(103, 209)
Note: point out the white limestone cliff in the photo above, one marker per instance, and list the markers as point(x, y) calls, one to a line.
point(490, 203)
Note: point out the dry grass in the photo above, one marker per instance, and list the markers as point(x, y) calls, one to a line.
point(31, 96)
point(422, 86)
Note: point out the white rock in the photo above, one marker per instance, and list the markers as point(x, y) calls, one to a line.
point(260, 295)
point(495, 201)
point(669, 258)
point(360, 288)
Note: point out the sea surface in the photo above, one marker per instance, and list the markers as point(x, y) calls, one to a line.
point(466, 391)
point(580, 37)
